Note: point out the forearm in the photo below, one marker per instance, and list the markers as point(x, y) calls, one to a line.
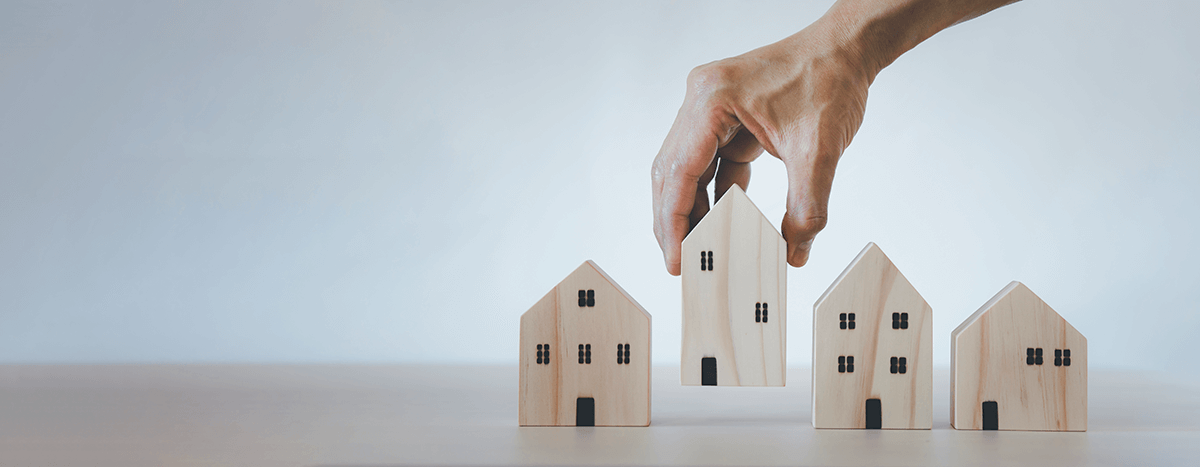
point(874, 33)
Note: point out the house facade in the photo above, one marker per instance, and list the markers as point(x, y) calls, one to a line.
point(585, 355)
point(734, 272)
point(1016, 364)
point(872, 349)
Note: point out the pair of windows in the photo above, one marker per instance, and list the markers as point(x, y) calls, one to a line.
point(1062, 357)
point(587, 298)
point(847, 321)
point(622, 354)
point(899, 320)
point(706, 263)
point(543, 354)
point(1033, 356)
point(585, 354)
point(846, 364)
point(760, 312)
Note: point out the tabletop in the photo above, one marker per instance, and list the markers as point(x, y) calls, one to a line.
point(343, 415)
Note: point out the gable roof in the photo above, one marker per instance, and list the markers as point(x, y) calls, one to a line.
point(590, 265)
point(736, 197)
point(1013, 287)
point(596, 267)
point(872, 252)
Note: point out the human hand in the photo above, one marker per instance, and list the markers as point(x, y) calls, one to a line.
point(801, 99)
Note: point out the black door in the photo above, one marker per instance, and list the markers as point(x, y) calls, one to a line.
point(585, 411)
point(874, 414)
point(991, 419)
point(708, 371)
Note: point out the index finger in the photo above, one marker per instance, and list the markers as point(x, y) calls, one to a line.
point(686, 154)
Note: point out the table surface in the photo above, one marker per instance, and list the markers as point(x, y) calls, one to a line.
point(264, 415)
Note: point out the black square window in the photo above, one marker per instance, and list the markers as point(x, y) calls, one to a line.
point(587, 297)
point(846, 364)
point(899, 365)
point(1062, 357)
point(585, 354)
point(706, 261)
point(899, 320)
point(846, 321)
point(1033, 356)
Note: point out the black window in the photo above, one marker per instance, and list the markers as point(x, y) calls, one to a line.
point(760, 312)
point(899, 365)
point(706, 262)
point(1033, 356)
point(846, 364)
point(1062, 357)
point(899, 320)
point(543, 354)
point(847, 321)
point(587, 297)
point(585, 353)
point(622, 354)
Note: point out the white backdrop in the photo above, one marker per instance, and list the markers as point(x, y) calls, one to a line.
point(366, 182)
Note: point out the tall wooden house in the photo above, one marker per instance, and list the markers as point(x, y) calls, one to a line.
point(872, 349)
point(734, 298)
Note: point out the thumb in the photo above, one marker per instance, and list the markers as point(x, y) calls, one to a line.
point(810, 178)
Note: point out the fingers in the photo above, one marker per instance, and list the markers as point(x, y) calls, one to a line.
point(700, 205)
point(735, 158)
point(686, 159)
point(810, 179)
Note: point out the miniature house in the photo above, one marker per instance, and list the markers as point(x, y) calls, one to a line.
point(1015, 364)
point(734, 298)
point(872, 349)
point(585, 355)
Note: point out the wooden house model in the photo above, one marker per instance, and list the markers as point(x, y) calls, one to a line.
point(1015, 364)
point(585, 355)
point(872, 349)
point(734, 298)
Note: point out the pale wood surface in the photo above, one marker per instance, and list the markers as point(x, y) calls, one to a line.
point(872, 288)
point(304, 415)
point(988, 363)
point(749, 268)
point(548, 392)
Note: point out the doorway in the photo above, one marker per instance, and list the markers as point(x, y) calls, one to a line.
point(874, 414)
point(585, 411)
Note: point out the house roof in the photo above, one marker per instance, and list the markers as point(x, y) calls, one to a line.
point(738, 198)
point(1011, 288)
point(591, 265)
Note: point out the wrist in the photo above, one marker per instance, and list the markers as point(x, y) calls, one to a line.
point(874, 33)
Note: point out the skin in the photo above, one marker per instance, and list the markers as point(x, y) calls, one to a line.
point(801, 99)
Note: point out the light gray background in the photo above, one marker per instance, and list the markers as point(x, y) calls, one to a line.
point(366, 182)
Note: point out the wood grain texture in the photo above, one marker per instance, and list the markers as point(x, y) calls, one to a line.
point(548, 391)
point(873, 289)
point(989, 363)
point(749, 268)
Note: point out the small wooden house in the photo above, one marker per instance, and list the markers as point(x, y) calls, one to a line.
point(734, 298)
point(872, 349)
point(1015, 364)
point(585, 355)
